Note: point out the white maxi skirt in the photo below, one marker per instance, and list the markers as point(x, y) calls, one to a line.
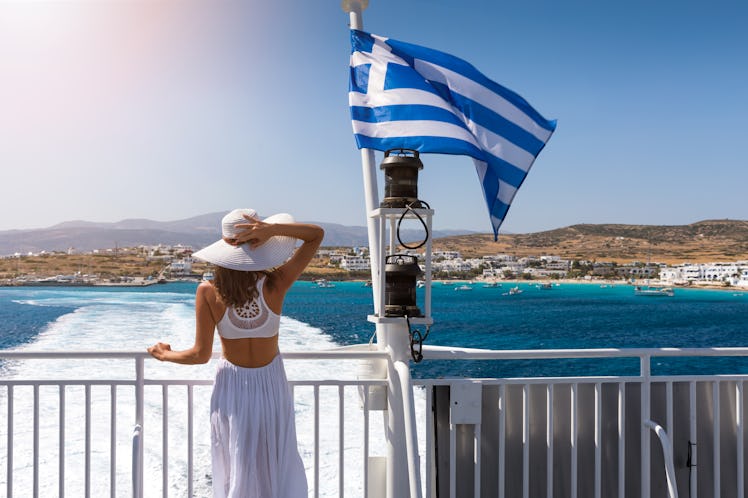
point(253, 434)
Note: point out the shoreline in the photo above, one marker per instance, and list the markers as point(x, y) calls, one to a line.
point(138, 282)
point(592, 282)
point(135, 282)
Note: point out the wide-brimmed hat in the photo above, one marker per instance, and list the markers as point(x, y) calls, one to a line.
point(272, 253)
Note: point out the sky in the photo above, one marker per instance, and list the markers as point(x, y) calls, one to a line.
point(168, 109)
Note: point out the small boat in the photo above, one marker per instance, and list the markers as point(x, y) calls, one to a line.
point(513, 291)
point(324, 283)
point(464, 287)
point(366, 284)
point(491, 285)
point(544, 286)
point(420, 284)
point(653, 291)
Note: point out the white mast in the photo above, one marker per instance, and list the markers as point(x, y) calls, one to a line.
point(392, 337)
point(371, 197)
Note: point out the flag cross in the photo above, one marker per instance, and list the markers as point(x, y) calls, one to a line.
point(438, 103)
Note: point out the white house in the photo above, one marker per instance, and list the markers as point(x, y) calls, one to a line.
point(456, 265)
point(181, 266)
point(743, 280)
point(355, 263)
point(691, 272)
point(719, 271)
point(446, 254)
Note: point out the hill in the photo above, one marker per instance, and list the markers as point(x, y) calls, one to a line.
point(704, 241)
point(196, 232)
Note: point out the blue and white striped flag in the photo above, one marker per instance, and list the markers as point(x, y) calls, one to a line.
point(406, 96)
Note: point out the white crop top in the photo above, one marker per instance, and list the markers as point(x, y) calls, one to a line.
point(253, 319)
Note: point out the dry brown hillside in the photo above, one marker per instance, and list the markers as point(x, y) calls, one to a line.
point(705, 241)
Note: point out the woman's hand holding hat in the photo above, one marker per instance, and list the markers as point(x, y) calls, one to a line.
point(254, 232)
point(249, 244)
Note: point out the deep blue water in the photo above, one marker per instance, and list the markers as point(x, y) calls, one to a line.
point(567, 316)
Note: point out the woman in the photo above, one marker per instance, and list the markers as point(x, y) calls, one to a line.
point(253, 435)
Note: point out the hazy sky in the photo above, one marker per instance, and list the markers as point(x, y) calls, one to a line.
point(167, 109)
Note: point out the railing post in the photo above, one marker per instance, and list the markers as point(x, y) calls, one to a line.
point(646, 376)
point(396, 340)
point(137, 470)
point(411, 437)
point(9, 461)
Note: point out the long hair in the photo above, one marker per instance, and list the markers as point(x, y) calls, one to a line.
point(236, 287)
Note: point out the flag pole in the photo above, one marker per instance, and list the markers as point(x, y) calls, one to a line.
point(371, 197)
point(391, 337)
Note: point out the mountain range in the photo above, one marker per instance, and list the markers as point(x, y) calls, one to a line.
point(197, 232)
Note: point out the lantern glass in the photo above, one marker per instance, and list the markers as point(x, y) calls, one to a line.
point(400, 178)
point(400, 274)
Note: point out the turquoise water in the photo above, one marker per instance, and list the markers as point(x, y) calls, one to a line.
point(566, 316)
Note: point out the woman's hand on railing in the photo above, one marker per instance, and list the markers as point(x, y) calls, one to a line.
point(159, 350)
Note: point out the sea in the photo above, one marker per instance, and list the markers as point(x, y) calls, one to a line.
point(566, 315)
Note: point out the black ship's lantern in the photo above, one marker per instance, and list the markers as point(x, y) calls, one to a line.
point(400, 178)
point(400, 274)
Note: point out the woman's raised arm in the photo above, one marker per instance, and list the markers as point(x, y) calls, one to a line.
point(257, 232)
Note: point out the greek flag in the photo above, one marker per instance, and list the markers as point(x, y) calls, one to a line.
point(406, 96)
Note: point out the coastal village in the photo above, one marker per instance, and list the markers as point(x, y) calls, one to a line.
point(147, 265)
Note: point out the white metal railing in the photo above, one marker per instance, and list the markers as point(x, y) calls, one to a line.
point(142, 420)
point(714, 406)
point(522, 411)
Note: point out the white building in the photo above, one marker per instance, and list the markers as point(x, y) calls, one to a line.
point(181, 266)
point(455, 265)
point(720, 271)
point(514, 268)
point(446, 255)
point(743, 280)
point(671, 276)
point(558, 265)
point(691, 272)
point(735, 274)
point(355, 263)
point(499, 257)
point(337, 257)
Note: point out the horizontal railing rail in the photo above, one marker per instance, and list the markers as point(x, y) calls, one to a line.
point(449, 353)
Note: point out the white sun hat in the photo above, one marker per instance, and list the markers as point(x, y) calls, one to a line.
point(272, 253)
